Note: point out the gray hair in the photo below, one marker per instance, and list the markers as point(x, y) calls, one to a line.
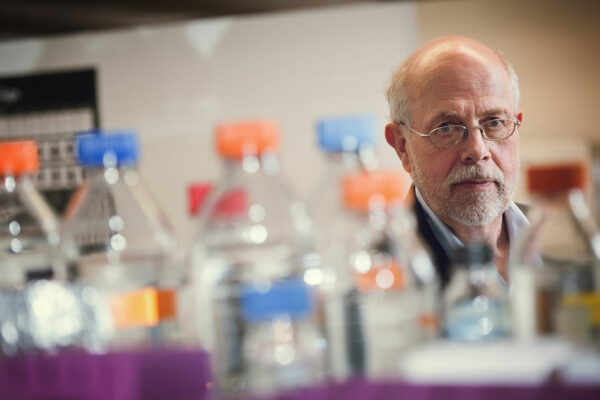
point(399, 100)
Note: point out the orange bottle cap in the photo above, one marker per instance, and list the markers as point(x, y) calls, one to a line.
point(361, 189)
point(19, 157)
point(548, 179)
point(235, 140)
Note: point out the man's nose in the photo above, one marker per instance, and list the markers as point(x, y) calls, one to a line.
point(474, 147)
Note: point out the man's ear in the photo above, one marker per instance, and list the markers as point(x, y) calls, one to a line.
point(395, 138)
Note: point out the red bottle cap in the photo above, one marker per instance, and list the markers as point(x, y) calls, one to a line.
point(552, 178)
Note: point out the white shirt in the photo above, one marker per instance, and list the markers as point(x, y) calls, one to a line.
point(513, 217)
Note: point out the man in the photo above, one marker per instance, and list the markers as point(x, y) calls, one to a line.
point(464, 178)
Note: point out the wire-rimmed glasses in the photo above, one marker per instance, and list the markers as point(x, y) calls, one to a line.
point(451, 135)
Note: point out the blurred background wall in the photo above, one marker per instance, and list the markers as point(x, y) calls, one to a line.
point(173, 82)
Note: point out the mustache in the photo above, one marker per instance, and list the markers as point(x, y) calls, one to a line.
point(475, 172)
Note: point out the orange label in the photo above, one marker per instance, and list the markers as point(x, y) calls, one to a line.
point(384, 277)
point(146, 307)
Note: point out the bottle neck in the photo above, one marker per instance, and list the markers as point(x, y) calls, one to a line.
point(346, 161)
point(266, 163)
point(364, 158)
point(112, 175)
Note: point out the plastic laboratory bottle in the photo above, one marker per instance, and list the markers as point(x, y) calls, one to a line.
point(195, 304)
point(284, 348)
point(476, 304)
point(385, 276)
point(29, 229)
point(555, 275)
point(40, 311)
point(121, 243)
point(251, 229)
point(347, 143)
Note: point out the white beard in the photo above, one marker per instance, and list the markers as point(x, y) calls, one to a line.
point(474, 208)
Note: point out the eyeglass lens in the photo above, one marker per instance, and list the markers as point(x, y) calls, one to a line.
point(449, 135)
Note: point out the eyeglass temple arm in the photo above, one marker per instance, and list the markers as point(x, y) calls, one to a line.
point(412, 130)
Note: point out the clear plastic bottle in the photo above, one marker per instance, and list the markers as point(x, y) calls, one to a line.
point(29, 229)
point(36, 313)
point(283, 349)
point(252, 229)
point(386, 278)
point(348, 144)
point(197, 289)
point(555, 275)
point(121, 242)
point(476, 305)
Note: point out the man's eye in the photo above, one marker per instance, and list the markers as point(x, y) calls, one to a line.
point(445, 127)
point(495, 123)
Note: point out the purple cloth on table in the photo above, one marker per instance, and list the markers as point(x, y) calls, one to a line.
point(116, 376)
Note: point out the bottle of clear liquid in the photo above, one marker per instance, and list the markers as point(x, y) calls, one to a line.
point(555, 276)
point(38, 314)
point(283, 349)
point(29, 229)
point(476, 305)
point(252, 229)
point(385, 276)
point(348, 144)
point(121, 242)
point(196, 306)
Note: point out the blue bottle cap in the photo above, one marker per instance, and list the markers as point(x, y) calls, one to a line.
point(346, 133)
point(101, 148)
point(290, 297)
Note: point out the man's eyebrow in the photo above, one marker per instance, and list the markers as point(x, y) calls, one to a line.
point(495, 111)
point(444, 115)
point(450, 115)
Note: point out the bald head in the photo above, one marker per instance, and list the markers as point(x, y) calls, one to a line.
point(449, 56)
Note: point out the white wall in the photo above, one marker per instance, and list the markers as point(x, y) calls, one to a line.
point(173, 83)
